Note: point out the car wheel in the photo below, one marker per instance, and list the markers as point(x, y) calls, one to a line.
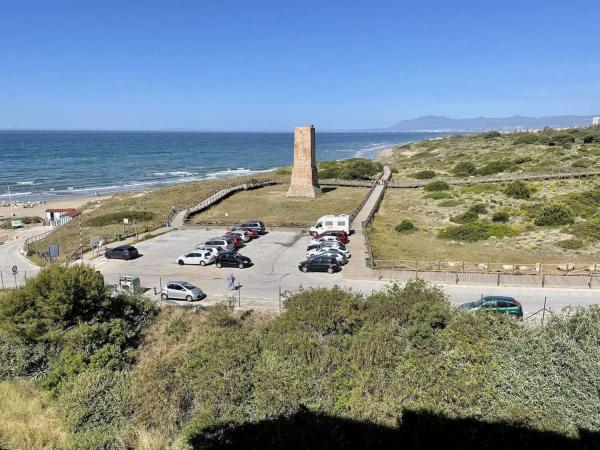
point(107, 256)
point(219, 265)
point(202, 263)
point(304, 269)
point(180, 262)
point(514, 316)
point(330, 270)
point(164, 296)
point(189, 298)
point(241, 265)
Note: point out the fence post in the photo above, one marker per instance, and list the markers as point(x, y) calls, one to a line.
point(544, 310)
point(543, 279)
point(456, 276)
point(239, 295)
point(463, 267)
point(498, 282)
point(2, 279)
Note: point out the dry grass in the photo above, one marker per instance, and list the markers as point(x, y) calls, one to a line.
point(530, 245)
point(270, 205)
point(157, 201)
point(27, 419)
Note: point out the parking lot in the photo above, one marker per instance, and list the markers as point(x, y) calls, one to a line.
point(275, 257)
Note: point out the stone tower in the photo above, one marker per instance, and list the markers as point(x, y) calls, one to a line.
point(305, 182)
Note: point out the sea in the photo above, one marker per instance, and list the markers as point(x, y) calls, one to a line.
point(46, 165)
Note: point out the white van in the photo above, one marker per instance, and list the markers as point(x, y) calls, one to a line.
point(339, 222)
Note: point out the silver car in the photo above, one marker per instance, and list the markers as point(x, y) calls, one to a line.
point(181, 290)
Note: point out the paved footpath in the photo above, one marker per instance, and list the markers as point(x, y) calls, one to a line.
point(10, 255)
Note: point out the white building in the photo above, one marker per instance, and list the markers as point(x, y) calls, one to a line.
point(595, 121)
point(57, 217)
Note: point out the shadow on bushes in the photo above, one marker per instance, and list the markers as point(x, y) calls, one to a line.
point(418, 430)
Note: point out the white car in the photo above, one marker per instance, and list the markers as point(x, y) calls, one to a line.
point(330, 245)
point(212, 250)
point(197, 257)
point(324, 239)
point(339, 256)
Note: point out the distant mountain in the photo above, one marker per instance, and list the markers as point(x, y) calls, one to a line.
point(441, 123)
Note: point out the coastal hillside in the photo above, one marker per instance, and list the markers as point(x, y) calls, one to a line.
point(83, 369)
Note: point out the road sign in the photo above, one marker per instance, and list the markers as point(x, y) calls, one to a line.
point(53, 251)
point(126, 221)
point(94, 240)
point(15, 270)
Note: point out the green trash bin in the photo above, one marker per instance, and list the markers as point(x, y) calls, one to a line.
point(368, 262)
point(119, 237)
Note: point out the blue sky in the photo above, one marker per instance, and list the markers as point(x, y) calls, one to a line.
point(270, 65)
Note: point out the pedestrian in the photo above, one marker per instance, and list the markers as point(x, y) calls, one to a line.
point(230, 282)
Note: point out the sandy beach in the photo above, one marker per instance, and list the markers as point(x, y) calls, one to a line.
point(39, 208)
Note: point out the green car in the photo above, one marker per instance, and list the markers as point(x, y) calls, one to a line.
point(495, 303)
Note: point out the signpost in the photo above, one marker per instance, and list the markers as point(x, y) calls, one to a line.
point(15, 271)
point(53, 251)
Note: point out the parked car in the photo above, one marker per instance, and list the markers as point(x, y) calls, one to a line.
point(320, 264)
point(226, 244)
point(496, 303)
point(251, 233)
point(181, 290)
point(232, 259)
point(255, 225)
point(240, 234)
point(315, 241)
point(341, 235)
point(196, 257)
point(122, 252)
point(213, 250)
point(330, 245)
point(237, 241)
point(339, 256)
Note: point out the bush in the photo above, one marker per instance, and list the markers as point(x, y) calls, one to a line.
point(492, 168)
point(561, 139)
point(406, 226)
point(588, 230)
point(475, 231)
point(350, 169)
point(450, 203)
point(554, 214)
point(518, 189)
point(570, 244)
point(522, 159)
point(466, 217)
point(500, 216)
point(581, 163)
point(424, 175)
point(117, 218)
point(464, 168)
point(436, 186)
point(529, 139)
point(478, 208)
point(492, 134)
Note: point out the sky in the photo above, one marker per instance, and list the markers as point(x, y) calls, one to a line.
point(271, 65)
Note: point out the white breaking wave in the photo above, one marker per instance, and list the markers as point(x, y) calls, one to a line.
point(26, 183)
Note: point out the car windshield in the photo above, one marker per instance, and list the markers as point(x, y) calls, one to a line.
point(187, 285)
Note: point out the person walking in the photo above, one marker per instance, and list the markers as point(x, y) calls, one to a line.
point(230, 282)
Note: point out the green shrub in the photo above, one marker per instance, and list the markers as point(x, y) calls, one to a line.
point(570, 244)
point(554, 214)
point(465, 217)
point(529, 139)
point(424, 175)
point(591, 138)
point(438, 195)
point(500, 216)
point(436, 186)
point(450, 203)
point(350, 169)
point(492, 134)
point(464, 168)
point(584, 204)
point(581, 163)
point(406, 226)
point(588, 230)
point(522, 159)
point(478, 208)
point(518, 189)
point(475, 231)
point(492, 168)
point(117, 218)
point(561, 139)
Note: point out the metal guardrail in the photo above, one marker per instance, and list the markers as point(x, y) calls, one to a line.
point(495, 179)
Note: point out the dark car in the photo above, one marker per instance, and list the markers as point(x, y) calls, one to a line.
point(232, 259)
point(341, 235)
point(319, 264)
point(255, 225)
point(122, 252)
point(496, 303)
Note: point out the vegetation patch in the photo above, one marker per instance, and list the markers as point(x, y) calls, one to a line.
point(584, 204)
point(450, 203)
point(475, 231)
point(465, 217)
point(464, 169)
point(494, 167)
point(406, 226)
point(350, 169)
point(424, 175)
point(518, 189)
point(438, 185)
point(571, 244)
point(554, 214)
point(438, 195)
point(501, 216)
point(588, 230)
point(117, 218)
